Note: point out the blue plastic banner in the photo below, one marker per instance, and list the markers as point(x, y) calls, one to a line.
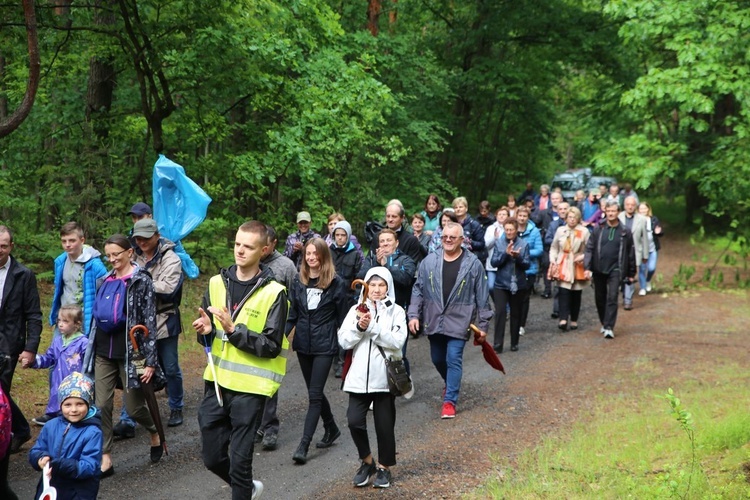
point(180, 205)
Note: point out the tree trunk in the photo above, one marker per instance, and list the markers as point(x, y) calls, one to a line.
point(14, 121)
point(373, 15)
point(101, 76)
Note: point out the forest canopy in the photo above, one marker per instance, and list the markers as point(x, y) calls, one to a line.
point(278, 106)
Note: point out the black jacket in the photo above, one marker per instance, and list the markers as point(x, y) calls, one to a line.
point(407, 244)
point(627, 251)
point(475, 232)
point(347, 261)
point(402, 268)
point(317, 329)
point(20, 313)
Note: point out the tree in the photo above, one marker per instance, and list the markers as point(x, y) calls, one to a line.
point(10, 123)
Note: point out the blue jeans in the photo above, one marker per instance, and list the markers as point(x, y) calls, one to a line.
point(448, 357)
point(168, 359)
point(491, 275)
point(646, 271)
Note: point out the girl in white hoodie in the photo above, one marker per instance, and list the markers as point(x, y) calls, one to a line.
point(384, 326)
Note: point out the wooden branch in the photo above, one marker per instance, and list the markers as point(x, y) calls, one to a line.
point(19, 115)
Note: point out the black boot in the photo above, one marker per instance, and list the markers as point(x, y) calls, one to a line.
point(332, 434)
point(300, 456)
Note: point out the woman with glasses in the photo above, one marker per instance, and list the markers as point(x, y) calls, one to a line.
point(124, 298)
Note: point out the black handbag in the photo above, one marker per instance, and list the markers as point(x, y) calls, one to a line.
point(399, 382)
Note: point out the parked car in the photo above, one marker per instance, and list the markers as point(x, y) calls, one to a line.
point(597, 180)
point(568, 183)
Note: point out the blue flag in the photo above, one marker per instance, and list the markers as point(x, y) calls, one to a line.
point(180, 205)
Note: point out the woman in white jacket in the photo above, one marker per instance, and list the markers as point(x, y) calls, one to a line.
point(384, 325)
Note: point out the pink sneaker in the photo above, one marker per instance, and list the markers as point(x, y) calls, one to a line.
point(449, 410)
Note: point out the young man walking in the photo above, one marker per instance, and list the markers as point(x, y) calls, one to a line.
point(242, 323)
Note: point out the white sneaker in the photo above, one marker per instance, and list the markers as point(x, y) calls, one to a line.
point(642, 292)
point(410, 394)
point(257, 490)
point(609, 334)
point(602, 330)
point(648, 286)
point(521, 331)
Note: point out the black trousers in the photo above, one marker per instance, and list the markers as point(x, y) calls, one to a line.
point(269, 423)
point(570, 303)
point(315, 372)
point(20, 426)
point(531, 278)
point(502, 299)
point(228, 435)
point(606, 291)
point(384, 416)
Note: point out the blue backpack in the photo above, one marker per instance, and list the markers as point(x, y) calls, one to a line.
point(109, 306)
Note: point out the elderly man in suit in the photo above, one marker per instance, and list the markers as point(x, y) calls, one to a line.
point(638, 226)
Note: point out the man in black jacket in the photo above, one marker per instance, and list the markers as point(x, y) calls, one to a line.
point(610, 260)
point(20, 328)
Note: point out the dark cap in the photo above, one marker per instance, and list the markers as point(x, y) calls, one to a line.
point(140, 209)
point(145, 228)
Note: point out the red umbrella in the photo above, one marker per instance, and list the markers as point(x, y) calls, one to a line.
point(147, 388)
point(490, 356)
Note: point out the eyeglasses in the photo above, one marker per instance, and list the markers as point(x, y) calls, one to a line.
point(113, 255)
point(446, 237)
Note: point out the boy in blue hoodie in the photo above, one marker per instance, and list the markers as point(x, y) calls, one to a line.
point(72, 442)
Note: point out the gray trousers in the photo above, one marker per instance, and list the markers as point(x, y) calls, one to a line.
point(106, 372)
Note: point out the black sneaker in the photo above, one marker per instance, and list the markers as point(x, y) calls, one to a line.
point(383, 479)
point(332, 434)
point(269, 442)
point(43, 419)
point(362, 477)
point(123, 431)
point(175, 418)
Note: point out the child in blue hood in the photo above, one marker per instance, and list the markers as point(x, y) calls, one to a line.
point(72, 442)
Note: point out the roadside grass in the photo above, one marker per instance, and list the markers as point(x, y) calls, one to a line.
point(632, 446)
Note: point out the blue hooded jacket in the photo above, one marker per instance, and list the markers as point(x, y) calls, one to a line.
point(536, 248)
point(93, 269)
point(75, 451)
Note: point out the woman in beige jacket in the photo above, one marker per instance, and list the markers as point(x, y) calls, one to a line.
point(566, 266)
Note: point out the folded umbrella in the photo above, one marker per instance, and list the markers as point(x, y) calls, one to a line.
point(148, 390)
point(490, 356)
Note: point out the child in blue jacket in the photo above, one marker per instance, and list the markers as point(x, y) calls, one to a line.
point(72, 442)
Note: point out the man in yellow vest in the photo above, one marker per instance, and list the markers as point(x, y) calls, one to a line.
point(241, 324)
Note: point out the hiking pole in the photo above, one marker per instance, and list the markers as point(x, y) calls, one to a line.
point(210, 356)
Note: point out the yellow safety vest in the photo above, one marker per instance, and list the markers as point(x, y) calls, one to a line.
point(239, 370)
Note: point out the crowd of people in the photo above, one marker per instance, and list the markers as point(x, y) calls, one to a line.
point(343, 311)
